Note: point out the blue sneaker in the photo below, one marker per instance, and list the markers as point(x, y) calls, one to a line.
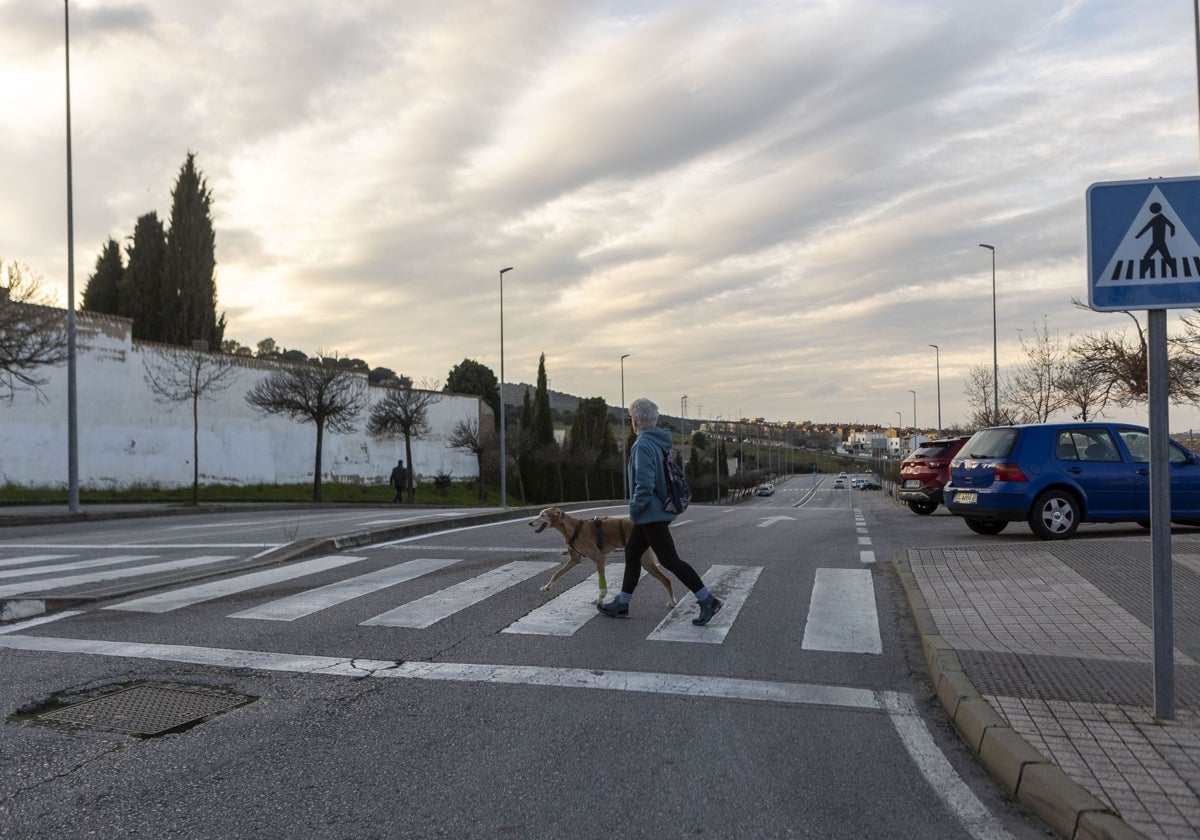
point(708, 609)
point(614, 609)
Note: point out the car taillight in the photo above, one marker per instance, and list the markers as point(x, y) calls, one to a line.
point(1009, 472)
point(935, 465)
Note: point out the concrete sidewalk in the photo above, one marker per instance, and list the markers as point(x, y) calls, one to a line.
point(1042, 655)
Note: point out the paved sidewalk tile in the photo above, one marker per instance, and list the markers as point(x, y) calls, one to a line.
point(1148, 771)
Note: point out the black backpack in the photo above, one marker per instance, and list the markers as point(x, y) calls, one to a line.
point(679, 495)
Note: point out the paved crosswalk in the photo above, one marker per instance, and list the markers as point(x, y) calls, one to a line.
point(841, 614)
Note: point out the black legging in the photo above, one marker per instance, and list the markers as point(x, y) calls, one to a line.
point(656, 535)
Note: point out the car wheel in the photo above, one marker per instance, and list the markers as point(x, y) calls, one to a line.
point(987, 526)
point(1055, 515)
point(923, 508)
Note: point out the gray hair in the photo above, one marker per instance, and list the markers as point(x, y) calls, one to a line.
point(644, 413)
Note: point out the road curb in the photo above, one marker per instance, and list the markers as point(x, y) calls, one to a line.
point(1030, 778)
point(12, 609)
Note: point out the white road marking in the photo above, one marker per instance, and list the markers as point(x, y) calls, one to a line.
point(323, 597)
point(842, 616)
point(632, 681)
point(110, 574)
point(33, 558)
point(563, 615)
point(139, 546)
point(34, 622)
point(188, 595)
point(427, 611)
point(76, 565)
point(480, 549)
point(959, 799)
point(732, 584)
point(864, 540)
point(866, 557)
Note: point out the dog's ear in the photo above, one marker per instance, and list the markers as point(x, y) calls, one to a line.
point(554, 513)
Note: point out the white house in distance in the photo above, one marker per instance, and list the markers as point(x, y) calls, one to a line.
point(130, 438)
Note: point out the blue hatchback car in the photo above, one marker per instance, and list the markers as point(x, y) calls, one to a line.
point(1057, 475)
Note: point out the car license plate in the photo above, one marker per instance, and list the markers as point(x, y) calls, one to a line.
point(913, 482)
point(969, 497)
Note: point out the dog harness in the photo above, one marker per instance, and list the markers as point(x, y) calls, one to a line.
point(599, 534)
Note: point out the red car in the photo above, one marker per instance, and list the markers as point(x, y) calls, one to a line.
point(924, 472)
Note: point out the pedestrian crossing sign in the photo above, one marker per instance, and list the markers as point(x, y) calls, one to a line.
point(1142, 244)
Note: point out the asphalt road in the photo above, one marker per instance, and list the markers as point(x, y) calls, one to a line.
point(441, 693)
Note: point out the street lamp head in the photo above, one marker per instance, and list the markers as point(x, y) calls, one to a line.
point(989, 247)
point(626, 356)
point(934, 346)
point(504, 270)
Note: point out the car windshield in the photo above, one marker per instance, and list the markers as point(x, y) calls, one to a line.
point(990, 443)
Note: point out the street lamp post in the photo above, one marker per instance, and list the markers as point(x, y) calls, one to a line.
point(914, 393)
point(937, 358)
point(503, 453)
point(624, 468)
point(995, 356)
point(72, 399)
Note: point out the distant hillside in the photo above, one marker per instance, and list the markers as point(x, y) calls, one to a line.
point(563, 405)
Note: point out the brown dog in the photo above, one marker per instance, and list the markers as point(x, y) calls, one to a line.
point(594, 539)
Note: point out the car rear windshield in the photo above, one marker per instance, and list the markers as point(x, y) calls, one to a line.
point(990, 443)
point(933, 449)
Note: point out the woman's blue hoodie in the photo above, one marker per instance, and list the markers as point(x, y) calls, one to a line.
point(647, 477)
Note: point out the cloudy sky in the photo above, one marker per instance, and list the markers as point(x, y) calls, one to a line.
point(773, 207)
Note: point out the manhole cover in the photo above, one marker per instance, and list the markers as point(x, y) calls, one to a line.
point(146, 709)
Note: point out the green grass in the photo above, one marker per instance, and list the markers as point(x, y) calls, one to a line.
point(458, 494)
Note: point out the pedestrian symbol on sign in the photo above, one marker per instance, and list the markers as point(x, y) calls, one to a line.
point(1135, 263)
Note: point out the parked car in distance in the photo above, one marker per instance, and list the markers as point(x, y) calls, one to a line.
point(1056, 475)
point(924, 471)
point(839, 483)
point(766, 489)
point(870, 484)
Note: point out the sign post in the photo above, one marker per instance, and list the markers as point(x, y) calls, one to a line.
point(1143, 254)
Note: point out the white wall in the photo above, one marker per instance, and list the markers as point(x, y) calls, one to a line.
point(127, 437)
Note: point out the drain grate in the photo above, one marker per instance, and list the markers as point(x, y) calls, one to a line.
point(146, 709)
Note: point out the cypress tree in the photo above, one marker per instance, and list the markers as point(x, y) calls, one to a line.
point(543, 419)
point(142, 296)
point(101, 293)
point(191, 261)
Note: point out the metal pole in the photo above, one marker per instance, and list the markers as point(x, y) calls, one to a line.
point(72, 402)
point(624, 468)
point(937, 359)
point(1160, 516)
point(503, 453)
point(914, 393)
point(995, 355)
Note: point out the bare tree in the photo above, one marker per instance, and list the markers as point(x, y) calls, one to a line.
point(1034, 388)
point(33, 334)
point(980, 394)
point(1119, 364)
point(179, 375)
point(404, 412)
point(468, 437)
point(1083, 395)
point(327, 396)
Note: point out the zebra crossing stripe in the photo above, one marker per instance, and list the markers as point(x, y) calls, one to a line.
point(729, 583)
point(33, 558)
point(188, 595)
point(110, 574)
point(565, 614)
point(842, 616)
point(315, 600)
point(73, 567)
point(427, 611)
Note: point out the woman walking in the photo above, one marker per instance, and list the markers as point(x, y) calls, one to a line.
point(651, 520)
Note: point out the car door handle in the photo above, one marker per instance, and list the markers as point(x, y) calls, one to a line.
point(1075, 470)
point(1143, 471)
